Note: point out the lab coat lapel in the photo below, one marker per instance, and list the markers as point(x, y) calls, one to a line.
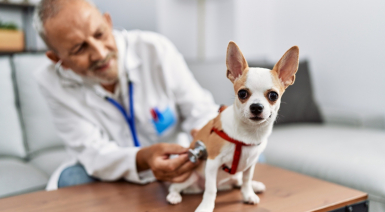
point(94, 96)
point(132, 66)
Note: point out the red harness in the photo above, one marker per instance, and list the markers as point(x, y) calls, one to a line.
point(237, 151)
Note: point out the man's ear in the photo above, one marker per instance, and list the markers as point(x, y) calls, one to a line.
point(107, 16)
point(287, 66)
point(235, 62)
point(54, 58)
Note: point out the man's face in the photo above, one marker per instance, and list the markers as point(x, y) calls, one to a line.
point(82, 39)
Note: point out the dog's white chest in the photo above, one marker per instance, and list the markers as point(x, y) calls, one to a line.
point(249, 156)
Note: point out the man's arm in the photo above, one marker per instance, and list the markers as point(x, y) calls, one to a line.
point(104, 159)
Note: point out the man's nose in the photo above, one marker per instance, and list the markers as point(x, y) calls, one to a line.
point(256, 109)
point(99, 52)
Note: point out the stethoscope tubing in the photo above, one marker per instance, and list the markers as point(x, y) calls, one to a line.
point(129, 119)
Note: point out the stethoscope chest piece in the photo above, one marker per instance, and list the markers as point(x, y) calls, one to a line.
point(199, 152)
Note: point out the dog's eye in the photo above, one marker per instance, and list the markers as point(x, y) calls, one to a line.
point(273, 96)
point(243, 94)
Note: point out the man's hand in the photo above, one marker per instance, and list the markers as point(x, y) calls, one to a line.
point(156, 158)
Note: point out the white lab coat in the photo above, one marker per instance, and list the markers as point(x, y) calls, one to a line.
point(95, 132)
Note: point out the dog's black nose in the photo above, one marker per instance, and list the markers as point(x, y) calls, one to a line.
point(256, 109)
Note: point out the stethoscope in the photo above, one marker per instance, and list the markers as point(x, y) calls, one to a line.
point(130, 118)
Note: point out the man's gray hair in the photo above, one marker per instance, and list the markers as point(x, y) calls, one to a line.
point(45, 10)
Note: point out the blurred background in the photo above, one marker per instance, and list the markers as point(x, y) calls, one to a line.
point(340, 82)
point(342, 40)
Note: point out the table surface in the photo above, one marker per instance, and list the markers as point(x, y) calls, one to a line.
point(286, 191)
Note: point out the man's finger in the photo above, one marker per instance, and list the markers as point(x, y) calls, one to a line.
point(162, 177)
point(188, 166)
point(171, 165)
point(181, 178)
point(173, 149)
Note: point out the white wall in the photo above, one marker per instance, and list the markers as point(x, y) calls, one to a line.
point(254, 28)
point(177, 20)
point(131, 14)
point(345, 43)
point(247, 22)
point(344, 39)
point(219, 27)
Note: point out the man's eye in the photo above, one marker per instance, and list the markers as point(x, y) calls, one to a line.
point(80, 49)
point(273, 96)
point(243, 94)
point(98, 35)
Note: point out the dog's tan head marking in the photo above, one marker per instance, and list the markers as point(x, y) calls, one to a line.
point(269, 95)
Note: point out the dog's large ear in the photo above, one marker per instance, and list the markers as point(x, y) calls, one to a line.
point(235, 62)
point(287, 66)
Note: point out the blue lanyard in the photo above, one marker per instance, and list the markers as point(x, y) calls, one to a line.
point(129, 119)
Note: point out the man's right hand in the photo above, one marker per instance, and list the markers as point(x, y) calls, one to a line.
point(157, 158)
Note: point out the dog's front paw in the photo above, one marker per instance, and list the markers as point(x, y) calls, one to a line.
point(205, 207)
point(174, 198)
point(203, 210)
point(258, 187)
point(250, 197)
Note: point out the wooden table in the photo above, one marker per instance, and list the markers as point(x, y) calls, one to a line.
point(286, 192)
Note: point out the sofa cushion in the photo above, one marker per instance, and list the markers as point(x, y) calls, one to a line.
point(49, 160)
point(39, 128)
point(11, 137)
point(297, 104)
point(351, 157)
point(17, 177)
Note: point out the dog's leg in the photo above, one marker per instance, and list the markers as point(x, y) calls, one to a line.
point(258, 187)
point(247, 189)
point(174, 196)
point(208, 202)
point(224, 185)
point(193, 189)
point(237, 180)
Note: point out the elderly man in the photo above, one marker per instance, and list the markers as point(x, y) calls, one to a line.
point(119, 99)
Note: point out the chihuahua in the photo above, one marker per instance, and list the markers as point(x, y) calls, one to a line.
point(238, 135)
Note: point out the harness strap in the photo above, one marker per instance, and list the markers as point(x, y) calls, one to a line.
point(237, 151)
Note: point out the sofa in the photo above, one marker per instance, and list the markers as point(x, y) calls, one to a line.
point(333, 145)
point(30, 150)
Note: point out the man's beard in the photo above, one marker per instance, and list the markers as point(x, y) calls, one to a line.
point(97, 79)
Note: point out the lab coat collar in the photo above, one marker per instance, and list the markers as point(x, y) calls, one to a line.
point(68, 78)
point(128, 58)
